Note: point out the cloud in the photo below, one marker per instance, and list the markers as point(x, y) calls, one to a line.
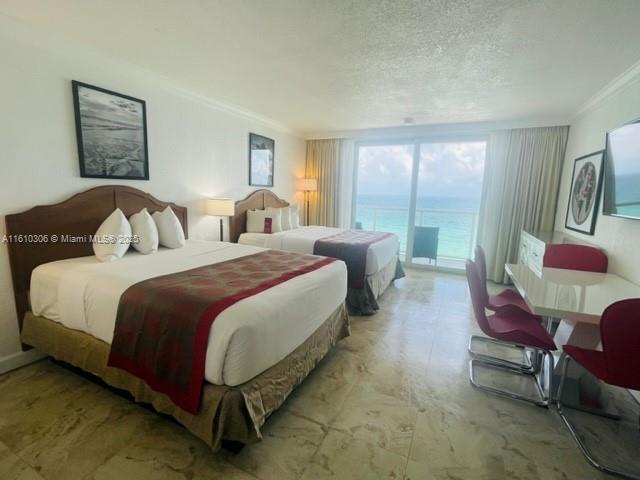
point(445, 169)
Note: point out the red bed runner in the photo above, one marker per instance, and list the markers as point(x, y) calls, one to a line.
point(351, 247)
point(162, 325)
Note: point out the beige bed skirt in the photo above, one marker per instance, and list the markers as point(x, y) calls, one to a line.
point(226, 413)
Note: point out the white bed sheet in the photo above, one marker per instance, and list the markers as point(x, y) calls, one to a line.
point(302, 239)
point(245, 339)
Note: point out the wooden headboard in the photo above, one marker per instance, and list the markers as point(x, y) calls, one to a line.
point(78, 216)
point(260, 199)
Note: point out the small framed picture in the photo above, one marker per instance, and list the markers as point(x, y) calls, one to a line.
point(586, 183)
point(261, 160)
point(111, 131)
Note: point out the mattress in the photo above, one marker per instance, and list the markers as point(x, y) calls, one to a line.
point(302, 240)
point(245, 339)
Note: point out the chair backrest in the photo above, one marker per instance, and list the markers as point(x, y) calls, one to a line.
point(425, 242)
point(481, 261)
point(477, 296)
point(575, 257)
point(481, 264)
point(620, 335)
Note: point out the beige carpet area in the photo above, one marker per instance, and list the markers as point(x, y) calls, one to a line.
point(393, 401)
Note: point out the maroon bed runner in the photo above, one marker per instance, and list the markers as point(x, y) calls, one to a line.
point(162, 325)
point(350, 246)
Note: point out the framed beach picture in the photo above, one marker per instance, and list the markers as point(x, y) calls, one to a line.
point(261, 159)
point(111, 131)
point(586, 183)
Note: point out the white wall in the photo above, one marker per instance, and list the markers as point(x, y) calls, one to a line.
point(197, 148)
point(618, 236)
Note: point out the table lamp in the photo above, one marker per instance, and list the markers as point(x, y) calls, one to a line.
point(221, 207)
point(307, 185)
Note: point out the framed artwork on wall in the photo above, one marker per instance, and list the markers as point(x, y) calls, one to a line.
point(586, 183)
point(261, 160)
point(111, 130)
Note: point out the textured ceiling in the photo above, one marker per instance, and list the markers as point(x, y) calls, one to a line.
point(318, 65)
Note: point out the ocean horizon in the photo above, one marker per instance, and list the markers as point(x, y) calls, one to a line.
point(455, 216)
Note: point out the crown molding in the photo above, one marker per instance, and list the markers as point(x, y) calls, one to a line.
point(621, 81)
point(48, 41)
point(441, 130)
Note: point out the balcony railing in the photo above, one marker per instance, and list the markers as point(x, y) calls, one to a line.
point(458, 228)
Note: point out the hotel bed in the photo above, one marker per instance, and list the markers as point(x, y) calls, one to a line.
point(72, 304)
point(382, 264)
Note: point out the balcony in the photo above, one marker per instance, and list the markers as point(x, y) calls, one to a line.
point(457, 235)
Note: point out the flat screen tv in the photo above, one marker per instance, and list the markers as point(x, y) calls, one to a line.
point(622, 172)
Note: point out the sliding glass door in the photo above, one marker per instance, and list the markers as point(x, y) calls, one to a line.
point(384, 189)
point(426, 192)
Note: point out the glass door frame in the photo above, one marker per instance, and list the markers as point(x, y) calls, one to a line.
point(415, 141)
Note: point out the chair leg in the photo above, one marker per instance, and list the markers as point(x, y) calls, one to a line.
point(545, 393)
point(576, 438)
point(526, 367)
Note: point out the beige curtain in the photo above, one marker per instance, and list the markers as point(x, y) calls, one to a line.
point(520, 191)
point(323, 163)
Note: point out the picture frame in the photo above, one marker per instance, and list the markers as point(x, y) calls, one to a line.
point(261, 160)
point(111, 132)
point(584, 196)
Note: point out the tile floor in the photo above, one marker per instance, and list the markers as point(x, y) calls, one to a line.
point(393, 401)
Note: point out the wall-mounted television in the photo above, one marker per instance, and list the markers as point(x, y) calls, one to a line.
point(622, 172)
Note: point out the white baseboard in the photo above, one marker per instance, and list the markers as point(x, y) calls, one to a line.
point(20, 359)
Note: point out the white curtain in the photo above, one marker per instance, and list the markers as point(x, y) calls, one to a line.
point(520, 190)
point(330, 161)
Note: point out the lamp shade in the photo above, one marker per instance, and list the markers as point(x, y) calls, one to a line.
point(307, 184)
point(221, 207)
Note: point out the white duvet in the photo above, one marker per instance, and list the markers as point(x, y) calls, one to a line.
point(245, 339)
point(302, 240)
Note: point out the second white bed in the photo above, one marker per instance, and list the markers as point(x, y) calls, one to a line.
point(302, 240)
point(245, 339)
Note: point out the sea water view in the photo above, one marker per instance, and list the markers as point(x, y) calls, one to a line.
point(456, 217)
point(447, 179)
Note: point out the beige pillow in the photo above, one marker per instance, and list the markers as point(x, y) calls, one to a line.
point(264, 221)
point(294, 214)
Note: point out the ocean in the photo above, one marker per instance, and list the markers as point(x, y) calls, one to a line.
point(456, 217)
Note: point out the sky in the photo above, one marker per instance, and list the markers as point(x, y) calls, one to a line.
point(445, 169)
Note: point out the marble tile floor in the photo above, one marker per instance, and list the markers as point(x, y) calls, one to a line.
point(392, 401)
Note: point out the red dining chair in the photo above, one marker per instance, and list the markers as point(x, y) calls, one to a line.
point(575, 257)
point(617, 364)
point(510, 328)
point(507, 297)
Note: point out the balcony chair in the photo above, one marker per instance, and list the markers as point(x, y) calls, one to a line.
point(512, 328)
point(425, 243)
point(618, 364)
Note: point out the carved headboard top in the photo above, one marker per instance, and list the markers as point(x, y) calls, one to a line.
point(78, 217)
point(260, 199)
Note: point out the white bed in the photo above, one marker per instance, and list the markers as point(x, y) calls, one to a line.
point(302, 240)
point(83, 294)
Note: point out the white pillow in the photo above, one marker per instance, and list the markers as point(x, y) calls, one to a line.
point(113, 237)
point(170, 233)
point(144, 232)
point(285, 213)
point(257, 221)
point(294, 214)
point(276, 215)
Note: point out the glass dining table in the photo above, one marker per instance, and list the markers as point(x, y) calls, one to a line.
point(577, 299)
